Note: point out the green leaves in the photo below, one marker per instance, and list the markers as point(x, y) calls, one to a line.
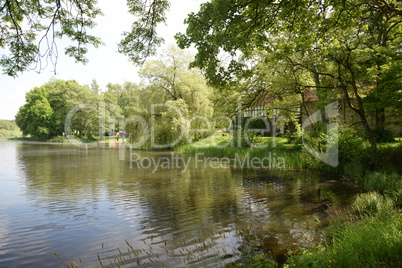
point(35, 116)
point(28, 31)
point(46, 108)
point(143, 40)
point(329, 29)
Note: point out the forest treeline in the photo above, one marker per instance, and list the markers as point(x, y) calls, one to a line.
point(8, 128)
point(168, 97)
point(247, 51)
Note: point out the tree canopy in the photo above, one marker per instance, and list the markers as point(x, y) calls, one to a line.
point(171, 101)
point(44, 114)
point(9, 128)
point(348, 47)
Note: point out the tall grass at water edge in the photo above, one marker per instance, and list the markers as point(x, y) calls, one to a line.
point(279, 150)
point(195, 252)
point(372, 237)
point(374, 241)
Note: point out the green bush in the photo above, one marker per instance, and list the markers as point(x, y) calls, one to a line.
point(397, 197)
point(239, 139)
point(383, 183)
point(293, 137)
point(351, 146)
point(384, 135)
point(371, 204)
point(388, 184)
point(370, 242)
point(354, 170)
point(58, 139)
point(10, 133)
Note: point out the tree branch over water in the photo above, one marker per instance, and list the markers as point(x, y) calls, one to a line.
point(29, 29)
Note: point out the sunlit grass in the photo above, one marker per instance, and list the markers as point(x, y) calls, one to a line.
point(370, 242)
point(224, 140)
point(371, 238)
point(274, 148)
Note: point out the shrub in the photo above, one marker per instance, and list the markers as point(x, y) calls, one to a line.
point(371, 204)
point(239, 139)
point(384, 135)
point(383, 183)
point(293, 137)
point(397, 197)
point(58, 139)
point(371, 242)
point(350, 146)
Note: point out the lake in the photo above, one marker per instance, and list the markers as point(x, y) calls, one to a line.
point(61, 204)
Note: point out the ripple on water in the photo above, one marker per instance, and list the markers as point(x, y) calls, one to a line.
point(85, 203)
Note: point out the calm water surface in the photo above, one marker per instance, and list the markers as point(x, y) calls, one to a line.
point(83, 203)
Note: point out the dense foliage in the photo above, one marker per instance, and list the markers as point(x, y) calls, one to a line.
point(348, 49)
point(9, 128)
point(29, 30)
point(171, 102)
point(46, 109)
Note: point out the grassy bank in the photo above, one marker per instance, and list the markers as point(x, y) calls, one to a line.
point(277, 149)
point(353, 154)
point(371, 236)
point(370, 242)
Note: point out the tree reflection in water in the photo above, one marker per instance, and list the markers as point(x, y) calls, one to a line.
point(86, 198)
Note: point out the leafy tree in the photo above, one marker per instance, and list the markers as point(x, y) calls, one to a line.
point(64, 96)
point(7, 125)
point(170, 81)
point(113, 110)
point(122, 102)
point(45, 112)
point(29, 29)
point(142, 41)
point(9, 128)
point(345, 45)
point(35, 116)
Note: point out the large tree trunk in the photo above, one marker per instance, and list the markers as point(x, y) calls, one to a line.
point(372, 140)
point(352, 82)
point(312, 124)
point(362, 114)
point(380, 119)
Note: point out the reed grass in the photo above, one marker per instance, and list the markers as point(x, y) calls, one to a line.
point(196, 252)
point(370, 242)
point(372, 204)
point(372, 236)
point(383, 183)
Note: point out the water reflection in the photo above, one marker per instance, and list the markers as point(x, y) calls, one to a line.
point(80, 202)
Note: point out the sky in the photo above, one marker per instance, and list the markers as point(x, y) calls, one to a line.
point(105, 64)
